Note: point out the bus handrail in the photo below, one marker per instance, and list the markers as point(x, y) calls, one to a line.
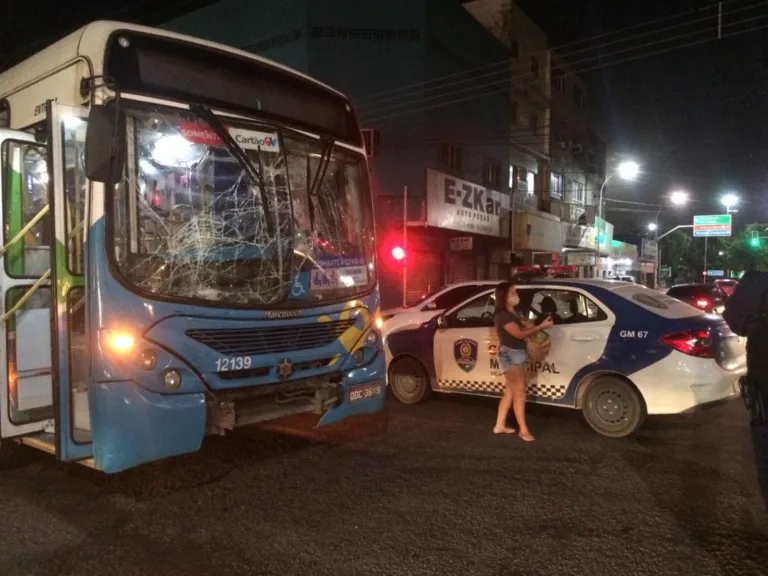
point(27, 228)
point(27, 295)
point(40, 281)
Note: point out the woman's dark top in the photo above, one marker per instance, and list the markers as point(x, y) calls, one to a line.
point(505, 338)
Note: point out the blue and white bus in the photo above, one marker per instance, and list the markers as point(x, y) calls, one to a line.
point(188, 247)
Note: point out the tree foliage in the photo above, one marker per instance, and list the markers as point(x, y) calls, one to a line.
point(685, 254)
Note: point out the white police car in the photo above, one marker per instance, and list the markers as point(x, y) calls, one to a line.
point(619, 351)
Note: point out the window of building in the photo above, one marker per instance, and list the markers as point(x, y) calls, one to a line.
point(533, 122)
point(558, 82)
point(450, 156)
point(535, 67)
point(371, 142)
point(531, 181)
point(577, 192)
point(578, 97)
point(5, 114)
point(555, 186)
point(514, 49)
point(492, 173)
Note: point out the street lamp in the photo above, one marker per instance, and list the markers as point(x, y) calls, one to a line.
point(729, 200)
point(626, 171)
point(679, 198)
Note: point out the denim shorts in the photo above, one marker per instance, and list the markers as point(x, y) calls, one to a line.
point(509, 357)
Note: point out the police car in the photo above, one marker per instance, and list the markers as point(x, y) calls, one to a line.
point(620, 351)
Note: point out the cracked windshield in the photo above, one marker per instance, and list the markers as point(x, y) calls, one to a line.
point(193, 222)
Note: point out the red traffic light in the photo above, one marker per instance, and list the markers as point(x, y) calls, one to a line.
point(398, 253)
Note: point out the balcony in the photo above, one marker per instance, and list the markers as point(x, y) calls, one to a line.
point(569, 211)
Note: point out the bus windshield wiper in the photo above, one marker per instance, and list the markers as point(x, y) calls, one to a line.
point(239, 154)
point(322, 168)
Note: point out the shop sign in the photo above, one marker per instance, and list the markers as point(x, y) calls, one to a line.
point(579, 236)
point(456, 204)
point(459, 243)
point(580, 258)
point(650, 249)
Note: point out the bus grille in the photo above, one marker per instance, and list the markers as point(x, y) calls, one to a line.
point(252, 341)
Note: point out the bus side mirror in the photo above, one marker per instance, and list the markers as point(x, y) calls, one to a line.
point(442, 322)
point(105, 144)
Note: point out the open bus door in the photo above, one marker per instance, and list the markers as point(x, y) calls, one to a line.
point(68, 202)
point(26, 401)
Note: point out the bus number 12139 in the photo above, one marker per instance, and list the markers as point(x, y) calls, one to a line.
point(236, 363)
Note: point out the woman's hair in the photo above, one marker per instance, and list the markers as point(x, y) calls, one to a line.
point(501, 297)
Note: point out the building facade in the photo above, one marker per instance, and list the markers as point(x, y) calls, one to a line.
point(555, 222)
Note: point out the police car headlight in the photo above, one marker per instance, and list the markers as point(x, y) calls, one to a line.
point(372, 338)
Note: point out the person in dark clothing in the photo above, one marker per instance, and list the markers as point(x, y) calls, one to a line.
point(746, 313)
point(512, 357)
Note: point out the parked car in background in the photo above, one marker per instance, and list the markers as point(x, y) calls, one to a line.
point(727, 285)
point(706, 297)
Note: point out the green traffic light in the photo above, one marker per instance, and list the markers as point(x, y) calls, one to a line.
point(754, 242)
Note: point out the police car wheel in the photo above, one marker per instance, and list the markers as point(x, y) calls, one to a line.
point(613, 408)
point(409, 381)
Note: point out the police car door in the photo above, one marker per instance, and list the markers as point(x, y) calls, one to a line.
point(579, 337)
point(462, 360)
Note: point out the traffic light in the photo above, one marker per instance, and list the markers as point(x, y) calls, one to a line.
point(398, 253)
point(754, 239)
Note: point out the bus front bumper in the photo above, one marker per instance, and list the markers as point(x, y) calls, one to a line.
point(131, 425)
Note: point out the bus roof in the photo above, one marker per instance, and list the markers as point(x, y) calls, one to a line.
point(89, 42)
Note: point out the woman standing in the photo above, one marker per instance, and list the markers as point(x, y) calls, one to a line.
point(513, 357)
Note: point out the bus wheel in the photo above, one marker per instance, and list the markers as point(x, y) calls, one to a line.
point(612, 407)
point(409, 381)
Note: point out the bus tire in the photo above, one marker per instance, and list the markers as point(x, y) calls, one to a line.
point(409, 381)
point(613, 407)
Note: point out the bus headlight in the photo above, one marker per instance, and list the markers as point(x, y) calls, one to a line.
point(148, 359)
point(358, 355)
point(120, 341)
point(172, 379)
point(372, 338)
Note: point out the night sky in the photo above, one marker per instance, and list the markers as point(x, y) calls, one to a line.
point(694, 117)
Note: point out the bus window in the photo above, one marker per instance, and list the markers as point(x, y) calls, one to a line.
point(25, 194)
point(74, 189)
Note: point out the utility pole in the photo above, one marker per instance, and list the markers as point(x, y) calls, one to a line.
point(704, 275)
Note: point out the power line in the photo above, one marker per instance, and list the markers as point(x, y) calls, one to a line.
point(560, 47)
point(602, 65)
point(370, 100)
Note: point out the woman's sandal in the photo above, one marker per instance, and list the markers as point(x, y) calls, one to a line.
point(503, 430)
point(527, 437)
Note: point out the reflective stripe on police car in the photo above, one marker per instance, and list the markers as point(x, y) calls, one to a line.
point(619, 351)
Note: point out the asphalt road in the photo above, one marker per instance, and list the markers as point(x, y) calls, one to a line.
point(428, 490)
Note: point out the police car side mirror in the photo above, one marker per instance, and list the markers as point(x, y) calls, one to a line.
point(442, 322)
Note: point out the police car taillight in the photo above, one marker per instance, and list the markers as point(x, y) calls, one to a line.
point(692, 342)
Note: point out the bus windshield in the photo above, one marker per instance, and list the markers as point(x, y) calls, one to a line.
point(189, 220)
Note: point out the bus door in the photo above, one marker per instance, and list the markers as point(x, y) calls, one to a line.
point(69, 199)
point(26, 400)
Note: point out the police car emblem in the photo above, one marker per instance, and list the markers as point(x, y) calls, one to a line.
point(284, 368)
point(465, 353)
